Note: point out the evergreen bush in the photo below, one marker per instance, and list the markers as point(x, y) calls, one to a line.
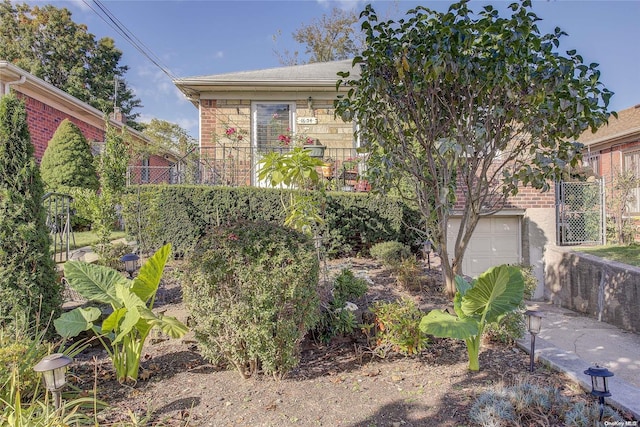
point(29, 290)
point(390, 254)
point(251, 290)
point(67, 163)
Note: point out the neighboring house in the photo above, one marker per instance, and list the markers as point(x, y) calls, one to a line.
point(615, 147)
point(237, 112)
point(47, 106)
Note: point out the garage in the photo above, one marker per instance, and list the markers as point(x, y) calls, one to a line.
point(495, 241)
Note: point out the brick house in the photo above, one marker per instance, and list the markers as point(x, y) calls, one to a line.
point(613, 148)
point(47, 106)
point(304, 96)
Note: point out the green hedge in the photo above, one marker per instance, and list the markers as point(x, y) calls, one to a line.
point(181, 214)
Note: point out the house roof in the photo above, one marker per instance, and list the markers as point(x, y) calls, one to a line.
point(627, 125)
point(318, 76)
point(13, 77)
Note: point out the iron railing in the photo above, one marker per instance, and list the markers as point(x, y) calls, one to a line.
point(233, 165)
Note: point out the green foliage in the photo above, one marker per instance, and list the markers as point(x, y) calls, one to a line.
point(409, 274)
point(29, 291)
point(45, 41)
point(531, 404)
point(131, 320)
point(67, 163)
point(390, 253)
point(111, 253)
point(485, 300)
point(180, 214)
point(454, 91)
point(251, 290)
point(295, 169)
point(397, 327)
point(338, 316)
point(511, 326)
point(169, 137)
point(19, 353)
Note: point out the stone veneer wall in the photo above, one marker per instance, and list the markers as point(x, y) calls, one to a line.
point(605, 290)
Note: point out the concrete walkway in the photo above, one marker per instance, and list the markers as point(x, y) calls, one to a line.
point(570, 342)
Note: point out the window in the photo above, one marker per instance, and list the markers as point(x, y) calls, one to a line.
point(272, 123)
point(632, 164)
point(593, 162)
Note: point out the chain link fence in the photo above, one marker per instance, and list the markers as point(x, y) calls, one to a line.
point(580, 213)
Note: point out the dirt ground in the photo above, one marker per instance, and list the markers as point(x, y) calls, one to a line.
point(336, 384)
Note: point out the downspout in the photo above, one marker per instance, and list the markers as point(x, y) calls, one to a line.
point(7, 85)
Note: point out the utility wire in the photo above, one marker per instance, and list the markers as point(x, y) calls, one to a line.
point(110, 19)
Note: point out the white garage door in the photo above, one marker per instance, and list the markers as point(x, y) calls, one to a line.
point(495, 241)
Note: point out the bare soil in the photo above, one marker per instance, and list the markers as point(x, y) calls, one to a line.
point(338, 384)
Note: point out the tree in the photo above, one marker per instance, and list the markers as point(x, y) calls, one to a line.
point(29, 291)
point(468, 108)
point(330, 38)
point(46, 42)
point(68, 163)
point(166, 137)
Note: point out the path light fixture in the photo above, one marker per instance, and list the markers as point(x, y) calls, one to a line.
point(426, 250)
point(54, 369)
point(534, 322)
point(599, 387)
point(130, 263)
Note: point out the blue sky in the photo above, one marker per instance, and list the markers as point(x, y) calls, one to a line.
point(203, 37)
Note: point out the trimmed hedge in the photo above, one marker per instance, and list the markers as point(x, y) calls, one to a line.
point(181, 214)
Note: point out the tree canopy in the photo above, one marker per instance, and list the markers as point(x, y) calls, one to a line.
point(469, 107)
point(328, 38)
point(47, 43)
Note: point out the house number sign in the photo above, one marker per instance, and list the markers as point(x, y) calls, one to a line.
point(307, 120)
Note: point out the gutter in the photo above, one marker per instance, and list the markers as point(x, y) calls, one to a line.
point(7, 85)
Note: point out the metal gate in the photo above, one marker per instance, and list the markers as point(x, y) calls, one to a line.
point(580, 213)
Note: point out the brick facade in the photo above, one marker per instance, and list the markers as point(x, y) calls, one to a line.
point(43, 120)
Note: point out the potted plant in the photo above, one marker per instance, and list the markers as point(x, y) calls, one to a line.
point(316, 149)
point(328, 167)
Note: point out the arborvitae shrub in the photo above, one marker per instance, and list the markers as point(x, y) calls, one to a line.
point(251, 289)
point(29, 291)
point(67, 162)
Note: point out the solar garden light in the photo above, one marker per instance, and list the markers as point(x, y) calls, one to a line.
point(54, 369)
point(534, 322)
point(130, 263)
point(426, 249)
point(599, 387)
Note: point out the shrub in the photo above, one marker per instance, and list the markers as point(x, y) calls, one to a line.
point(530, 404)
point(19, 353)
point(390, 253)
point(67, 162)
point(409, 274)
point(512, 326)
point(397, 327)
point(338, 317)
point(29, 291)
point(251, 289)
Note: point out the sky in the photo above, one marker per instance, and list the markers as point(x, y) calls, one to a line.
point(204, 37)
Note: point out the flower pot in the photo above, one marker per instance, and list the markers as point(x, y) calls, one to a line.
point(327, 171)
point(315, 150)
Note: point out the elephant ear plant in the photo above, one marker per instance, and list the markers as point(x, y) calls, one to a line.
point(131, 320)
point(485, 300)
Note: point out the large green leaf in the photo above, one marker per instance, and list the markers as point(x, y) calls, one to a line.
point(78, 320)
point(94, 282)
point(146, 283)
point(131, 318)
point(112, 323)
point(441, 324)
point(497, 291)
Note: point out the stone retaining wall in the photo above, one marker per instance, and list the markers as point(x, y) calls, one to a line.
point(605, 290)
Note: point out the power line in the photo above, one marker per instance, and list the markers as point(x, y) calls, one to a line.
point(110, 19)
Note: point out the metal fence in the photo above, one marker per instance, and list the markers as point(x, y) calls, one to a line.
point(580, 213)
point(232, 165)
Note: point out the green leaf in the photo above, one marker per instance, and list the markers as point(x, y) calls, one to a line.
point(94, 282)
point(441, 324)
point(111, 323)
point(497, 291)
point(171, 326)
point(131, 317)
point(146, 283)
point(70, 324)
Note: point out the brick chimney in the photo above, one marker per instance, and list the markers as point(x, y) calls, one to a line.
point(118, 116)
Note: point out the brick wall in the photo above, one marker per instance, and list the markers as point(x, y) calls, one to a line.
point(43, 120)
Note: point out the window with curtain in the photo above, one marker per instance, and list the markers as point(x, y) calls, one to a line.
point(632, 164)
